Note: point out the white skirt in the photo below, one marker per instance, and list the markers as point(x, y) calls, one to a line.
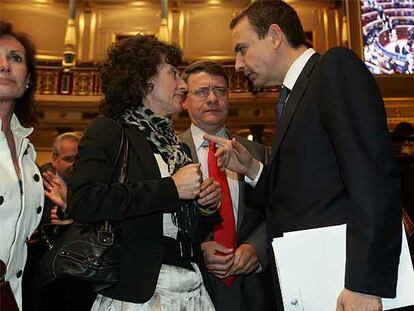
point(177, 289)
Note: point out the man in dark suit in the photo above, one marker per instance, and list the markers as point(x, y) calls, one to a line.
point(332, 160)
point(207, 106)
point(56, 173)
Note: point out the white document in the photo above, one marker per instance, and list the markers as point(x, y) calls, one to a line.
point(311, 269)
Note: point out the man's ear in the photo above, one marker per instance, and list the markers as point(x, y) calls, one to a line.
point(275, 33)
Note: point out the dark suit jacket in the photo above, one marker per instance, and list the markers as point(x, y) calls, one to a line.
point(251, 229)
point(139, 204)
point(332, 163)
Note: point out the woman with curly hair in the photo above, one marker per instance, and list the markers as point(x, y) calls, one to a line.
point(21, 190)
point(156, 207)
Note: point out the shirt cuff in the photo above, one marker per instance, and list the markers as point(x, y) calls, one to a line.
point(253, 182)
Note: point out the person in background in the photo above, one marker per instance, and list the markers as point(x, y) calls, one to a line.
point(332, 161)
point(64, 151)
point(160, 253)
point(239, 274)
point(21, 191)
point(56, 174)
point(36, 296)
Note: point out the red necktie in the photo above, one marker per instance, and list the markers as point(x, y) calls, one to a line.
point(225, 232)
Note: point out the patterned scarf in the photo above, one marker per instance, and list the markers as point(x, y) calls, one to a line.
point(159, 133)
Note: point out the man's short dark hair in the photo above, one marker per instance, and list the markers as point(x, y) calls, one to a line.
point(262, 14)
point(210, 67)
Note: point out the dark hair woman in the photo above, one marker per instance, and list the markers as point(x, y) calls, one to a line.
point(143, 90)
point(21, 189)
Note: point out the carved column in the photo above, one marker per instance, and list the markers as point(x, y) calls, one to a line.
point(163, 33)
point(69, 54)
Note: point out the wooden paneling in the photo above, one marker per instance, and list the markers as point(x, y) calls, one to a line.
point(117, 20)
point(200, 27)
point(206, 31)
point(44, 22)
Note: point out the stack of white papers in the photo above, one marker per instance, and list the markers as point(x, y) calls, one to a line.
point(311, 269)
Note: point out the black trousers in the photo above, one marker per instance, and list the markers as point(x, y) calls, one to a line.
point(246, 294)
point(67, 294)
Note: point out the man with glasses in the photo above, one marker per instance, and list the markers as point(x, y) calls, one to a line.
point(55, 174)
point(238, 272)
point(65, 149)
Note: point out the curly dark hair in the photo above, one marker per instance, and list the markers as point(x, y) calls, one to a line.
point(126, 74)
point(263, 13)
point(24, 106)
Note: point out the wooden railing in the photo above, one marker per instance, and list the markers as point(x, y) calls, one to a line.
point(85, 81)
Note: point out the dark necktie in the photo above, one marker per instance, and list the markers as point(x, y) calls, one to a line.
point(280, 105)
point(224, 232)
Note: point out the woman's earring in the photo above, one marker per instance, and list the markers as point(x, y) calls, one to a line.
point(27, 84)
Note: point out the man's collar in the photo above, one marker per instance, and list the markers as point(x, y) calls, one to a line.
point(296, 68)
point(198, 134)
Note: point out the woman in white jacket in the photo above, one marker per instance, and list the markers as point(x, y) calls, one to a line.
point(21, 190)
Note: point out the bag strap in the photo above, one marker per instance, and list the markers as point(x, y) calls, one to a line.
point(123, 173)
point(121, 160)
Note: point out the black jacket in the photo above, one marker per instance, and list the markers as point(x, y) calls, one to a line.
point(332, 163)
point(139, 204)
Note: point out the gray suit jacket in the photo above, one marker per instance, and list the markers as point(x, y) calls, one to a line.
point(251, 226)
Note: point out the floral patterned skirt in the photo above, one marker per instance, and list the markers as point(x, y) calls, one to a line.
point(177, 289)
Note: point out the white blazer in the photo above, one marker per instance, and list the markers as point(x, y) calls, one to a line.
point(21, 204)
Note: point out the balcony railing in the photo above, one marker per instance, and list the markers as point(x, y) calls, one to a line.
point(86, 81)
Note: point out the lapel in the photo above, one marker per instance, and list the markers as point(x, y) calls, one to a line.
point(143, 150)
point(241, 207)
point(292, 102)
point(187, 139)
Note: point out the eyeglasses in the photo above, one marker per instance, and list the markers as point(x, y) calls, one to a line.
point(69, 159)
point(203, 92)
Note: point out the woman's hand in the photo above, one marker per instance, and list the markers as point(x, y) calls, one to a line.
point(188, 181)
point(210, 194)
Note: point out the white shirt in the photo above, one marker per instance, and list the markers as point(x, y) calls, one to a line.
point(290, 80)
point(20, 212)
point(169, 228)
point(296, 68)
point(202, 154)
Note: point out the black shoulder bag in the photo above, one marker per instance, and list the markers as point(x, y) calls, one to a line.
point(88, 251)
